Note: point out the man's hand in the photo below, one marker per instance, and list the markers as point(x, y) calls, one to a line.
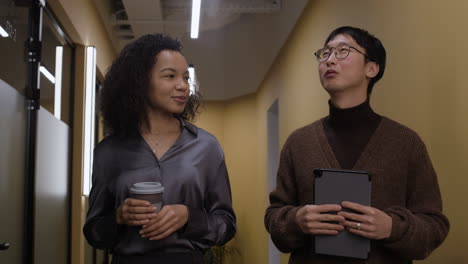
point(135, 212)
point(170, 219)
point(369, 222)
point(312, 219)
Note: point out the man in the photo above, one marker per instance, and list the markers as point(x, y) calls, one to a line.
point(405, 220)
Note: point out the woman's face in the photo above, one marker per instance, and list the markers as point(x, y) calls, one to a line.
point(169, 87)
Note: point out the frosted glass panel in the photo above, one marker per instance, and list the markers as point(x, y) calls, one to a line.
point(52, 198)
point(13, 118)
point(13, 66)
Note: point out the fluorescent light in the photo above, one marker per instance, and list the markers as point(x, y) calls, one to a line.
point(196, 4)
point(58, 81)
point(3, 32)
point(192, 82)
point(47, 74)
point(89, 112)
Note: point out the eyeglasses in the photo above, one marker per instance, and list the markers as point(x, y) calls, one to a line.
point(341, 52)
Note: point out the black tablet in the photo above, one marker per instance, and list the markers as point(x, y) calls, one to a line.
point(333, 186)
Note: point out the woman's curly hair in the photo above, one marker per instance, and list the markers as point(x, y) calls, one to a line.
point(124, 95)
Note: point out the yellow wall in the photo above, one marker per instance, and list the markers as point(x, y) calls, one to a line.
point(423, 88)
point(213, 113)
point(83, 23)
point(228, 122)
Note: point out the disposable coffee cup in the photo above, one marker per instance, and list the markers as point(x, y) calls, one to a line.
point(148, 191)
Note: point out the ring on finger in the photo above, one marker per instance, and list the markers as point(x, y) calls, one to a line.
point(358, 226)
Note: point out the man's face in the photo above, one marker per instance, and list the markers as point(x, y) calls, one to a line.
point(352, 73)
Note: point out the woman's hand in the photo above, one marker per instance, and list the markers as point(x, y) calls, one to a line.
point(312, 219)
point(170, 219)
point(135, 212)
point(370, 223)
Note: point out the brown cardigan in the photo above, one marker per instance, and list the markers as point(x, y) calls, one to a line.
point(404, 185)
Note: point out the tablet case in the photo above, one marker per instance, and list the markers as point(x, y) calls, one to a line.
point(333, 187)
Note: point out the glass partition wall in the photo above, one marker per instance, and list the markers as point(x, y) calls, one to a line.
point(35, 120)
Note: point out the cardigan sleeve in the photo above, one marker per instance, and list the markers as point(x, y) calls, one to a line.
point(280, 216)
point(420, 227)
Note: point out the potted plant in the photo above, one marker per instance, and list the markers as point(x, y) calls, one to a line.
point(218, 254)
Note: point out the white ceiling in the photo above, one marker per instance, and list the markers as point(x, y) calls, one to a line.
point(238, 40)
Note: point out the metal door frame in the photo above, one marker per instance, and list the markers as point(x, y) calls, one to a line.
point(33, 47)
point(33, 55)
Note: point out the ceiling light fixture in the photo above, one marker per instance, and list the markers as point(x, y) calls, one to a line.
point(89, 114)
point(47, 74)
point(3, 32)
point(58, 81)
point(196, 4)
point(192, 81)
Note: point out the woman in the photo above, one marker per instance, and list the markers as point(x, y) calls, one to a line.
point(145, 102)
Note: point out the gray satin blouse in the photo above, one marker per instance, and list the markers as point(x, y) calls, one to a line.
point(193, 172)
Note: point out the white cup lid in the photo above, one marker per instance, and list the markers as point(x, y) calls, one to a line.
point(147, 188)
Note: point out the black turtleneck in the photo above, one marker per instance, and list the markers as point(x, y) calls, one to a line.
point(349, 130)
